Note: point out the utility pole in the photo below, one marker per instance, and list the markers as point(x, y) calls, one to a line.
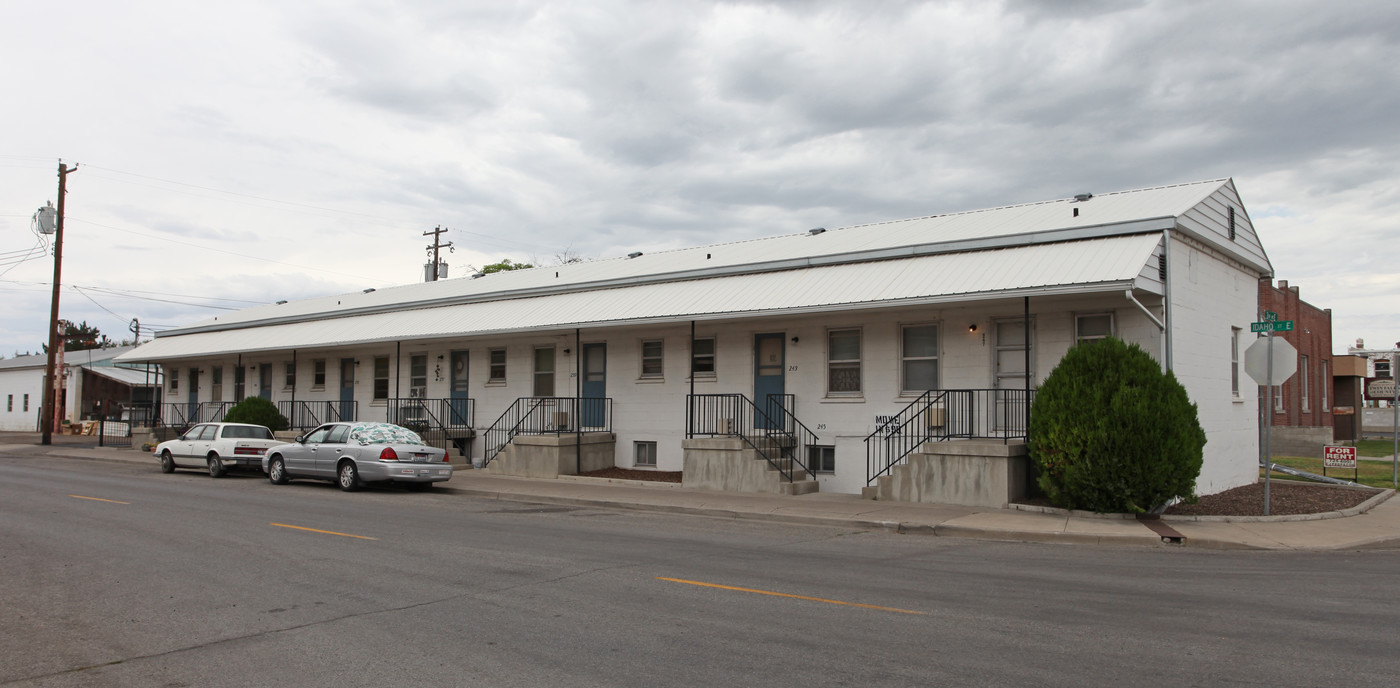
point(50, 385)
point(433, 250)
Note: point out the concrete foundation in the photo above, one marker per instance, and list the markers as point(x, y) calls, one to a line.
point(984, 473)
point(1298, 441)
point(550, 456)
point(731, 465)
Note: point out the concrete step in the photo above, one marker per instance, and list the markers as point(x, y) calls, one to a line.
point(800, 487)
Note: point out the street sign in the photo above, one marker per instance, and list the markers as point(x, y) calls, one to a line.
point(1256, 361)
point(1270, 316)
point(1272, 326)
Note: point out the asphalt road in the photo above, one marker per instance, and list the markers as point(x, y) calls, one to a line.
point(119, 575)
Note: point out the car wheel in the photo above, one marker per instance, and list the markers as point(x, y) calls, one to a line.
point(216, 466)
point(276, 471)
point(349, 476)
point(167, 462)
point(418, 487)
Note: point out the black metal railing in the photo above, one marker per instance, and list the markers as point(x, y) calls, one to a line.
point(305, 415)
point(178, 415)
point(440, 422)
point(774, 432)
point(940, 415)
point(113, 433)
point(546, 416)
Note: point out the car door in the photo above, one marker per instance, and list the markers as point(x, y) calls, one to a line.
point(328, 453)
point(195, 446)
point(300, 458)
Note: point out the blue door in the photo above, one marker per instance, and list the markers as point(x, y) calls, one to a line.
point(594, 390)
point(347, 389)
point(769, 367)
point(461, 416)
point(193, 415)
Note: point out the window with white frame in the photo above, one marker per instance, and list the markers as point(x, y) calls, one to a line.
point(381, 378)
point(644, 454)
point(418, 376)
point(1304, 382)
point(497, 373)
point(1278, 399)
point(26, 403)
point(10, 404)
point(216, 383)
point(843, 362)
point(239, 375)
point(652, 361)
point(174, 379)
point(1235, 361)
point(702, 357)
point(918, 358)
point(544, 371)
point(1092, 327)
point(318, 374)
point(821, 459)
point(289, 378)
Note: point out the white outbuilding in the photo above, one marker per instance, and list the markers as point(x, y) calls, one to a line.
point(828, 352)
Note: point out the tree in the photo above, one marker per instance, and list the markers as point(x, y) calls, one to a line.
point(502, 266)
point(1110, 432)
point(257, 411)
point(82, 337)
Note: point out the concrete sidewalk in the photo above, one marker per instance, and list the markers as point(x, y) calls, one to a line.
point(1373, 525)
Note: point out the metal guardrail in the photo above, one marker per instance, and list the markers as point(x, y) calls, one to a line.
point(305, 415)
point(775, 432)
point(940, 415)
point(546, 416)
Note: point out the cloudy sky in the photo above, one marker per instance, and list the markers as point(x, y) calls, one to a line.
point(241, 153)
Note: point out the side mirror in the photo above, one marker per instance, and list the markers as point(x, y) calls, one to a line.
point(301, 439)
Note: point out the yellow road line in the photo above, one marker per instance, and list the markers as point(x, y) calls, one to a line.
point(98, 499)
point(327, 532)
point(784, 594)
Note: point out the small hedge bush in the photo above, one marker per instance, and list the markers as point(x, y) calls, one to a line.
point(257, 411)
point(1111, 433)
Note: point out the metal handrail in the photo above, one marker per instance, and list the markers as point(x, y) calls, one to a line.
point(941, 415)
point(305, 415)
point(545, 416)
point(735, 415)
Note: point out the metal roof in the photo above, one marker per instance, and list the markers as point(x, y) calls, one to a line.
point(1100, 264)
point(1108, 214)
point(127, 376)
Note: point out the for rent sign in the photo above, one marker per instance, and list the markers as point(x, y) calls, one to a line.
point(1339, 457)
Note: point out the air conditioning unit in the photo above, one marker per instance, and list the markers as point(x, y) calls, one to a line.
point(934, 417)
point(724, 426)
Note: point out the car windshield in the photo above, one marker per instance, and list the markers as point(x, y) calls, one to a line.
point(247, 432)
point(383, 433)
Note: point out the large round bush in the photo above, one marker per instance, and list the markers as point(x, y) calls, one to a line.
point(257, 411)
point(1111, 433)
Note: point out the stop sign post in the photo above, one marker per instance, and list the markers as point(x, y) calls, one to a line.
point(1270, 363)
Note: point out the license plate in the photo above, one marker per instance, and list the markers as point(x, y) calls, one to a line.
point(420, 458)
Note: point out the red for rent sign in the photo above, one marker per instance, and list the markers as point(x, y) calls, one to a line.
point(1339, 457)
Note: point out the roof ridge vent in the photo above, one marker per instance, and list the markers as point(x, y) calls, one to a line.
point(1080, 198)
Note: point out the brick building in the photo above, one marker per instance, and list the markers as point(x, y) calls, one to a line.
point(1302, 409)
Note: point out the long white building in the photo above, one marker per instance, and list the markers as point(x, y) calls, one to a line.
point(831, 337)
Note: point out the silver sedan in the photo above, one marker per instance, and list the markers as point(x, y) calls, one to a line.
point(351, 454)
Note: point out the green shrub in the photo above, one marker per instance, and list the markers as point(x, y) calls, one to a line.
point(1111, 433)
point(257, 411)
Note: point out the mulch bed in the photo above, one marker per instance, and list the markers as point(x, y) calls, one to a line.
point(631, 474)
point(1285, 498)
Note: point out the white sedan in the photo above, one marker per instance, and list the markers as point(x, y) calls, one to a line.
point(216, 447)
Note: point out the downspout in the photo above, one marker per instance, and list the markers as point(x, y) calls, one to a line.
point(578, 401)
point(1167, 298)
point(690, 399)
point(293, 410)
point(398, 365)
point(1150, 316)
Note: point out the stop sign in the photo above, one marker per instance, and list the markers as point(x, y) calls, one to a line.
point(1256, 361)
